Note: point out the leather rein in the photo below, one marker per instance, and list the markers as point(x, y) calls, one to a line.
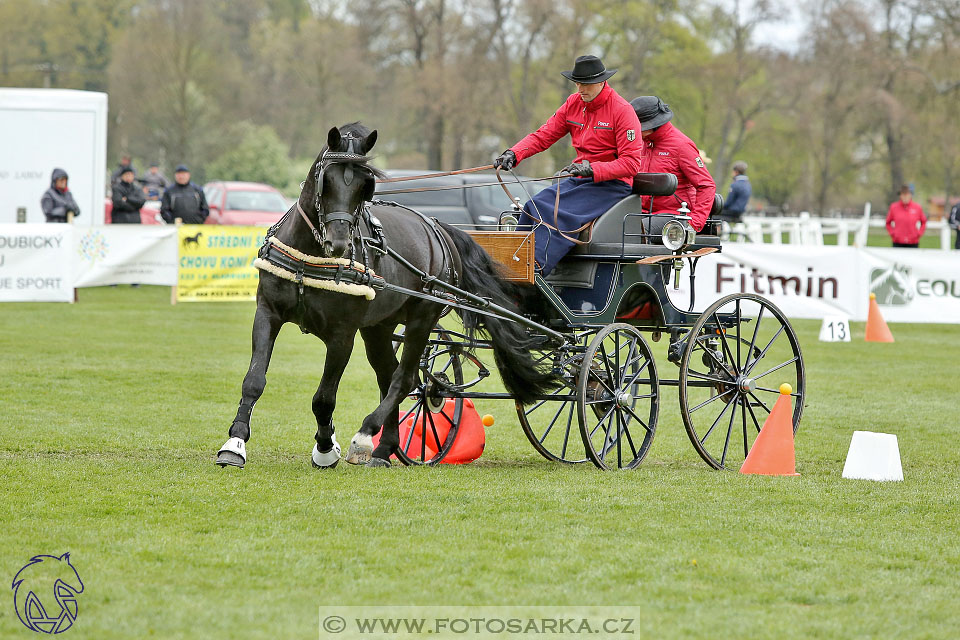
point(570, 235)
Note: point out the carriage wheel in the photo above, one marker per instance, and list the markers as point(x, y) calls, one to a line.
point(551, 426)
point(618, 398)
point(436, 419)
point(730, 375)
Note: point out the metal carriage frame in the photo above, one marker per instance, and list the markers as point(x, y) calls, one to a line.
point(609, 394)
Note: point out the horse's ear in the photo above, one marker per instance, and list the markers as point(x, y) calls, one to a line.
point(369, 142)
point(333, 139)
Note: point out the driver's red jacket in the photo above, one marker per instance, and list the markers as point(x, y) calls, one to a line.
point(604, 131)
point(670, 151)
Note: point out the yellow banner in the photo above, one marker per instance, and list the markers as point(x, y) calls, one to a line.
point(216, 262)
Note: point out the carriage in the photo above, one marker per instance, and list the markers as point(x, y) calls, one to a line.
point(600, 309)
point(570, 347)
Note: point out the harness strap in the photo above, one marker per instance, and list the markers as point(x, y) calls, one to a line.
point(316, 234)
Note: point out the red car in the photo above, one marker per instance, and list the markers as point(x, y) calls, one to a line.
point(149, 213)
point(249, 203)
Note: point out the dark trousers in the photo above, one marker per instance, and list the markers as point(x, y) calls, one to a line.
point(581, 200)
point(905, 245)
point(956, 244)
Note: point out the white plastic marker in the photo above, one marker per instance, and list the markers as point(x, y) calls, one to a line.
point(835, 329)
point(873, 456)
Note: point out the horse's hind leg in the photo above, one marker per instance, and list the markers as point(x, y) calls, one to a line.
point(403, 380)
point(266, 326)
point(326, 453)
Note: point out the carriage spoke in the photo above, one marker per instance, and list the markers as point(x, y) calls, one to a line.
point(711, 399)
point(552, 422)
point(743, 418)
point(760, 402)
point(703, 376)
point(637, 418)
point(715, 422)
point(433, 428)
point(566, 435)
point(753, 363)
point(726, 442)
point(753, 416)
point(753, 340)
point(739, 318)
point(777, 368)
point(726, 345)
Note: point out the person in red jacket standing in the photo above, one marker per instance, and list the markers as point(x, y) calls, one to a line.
point(605, 133)
point(905, 220)
point(670, 151)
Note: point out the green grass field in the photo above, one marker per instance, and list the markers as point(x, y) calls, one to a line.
point(113, 409)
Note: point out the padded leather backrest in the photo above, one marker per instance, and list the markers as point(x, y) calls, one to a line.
point(610, 226)
point(717, 205)
point(654, 184)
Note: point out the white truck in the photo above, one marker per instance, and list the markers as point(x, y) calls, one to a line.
point(41, 129)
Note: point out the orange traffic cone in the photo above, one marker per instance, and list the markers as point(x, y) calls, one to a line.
point(877, 329)
point(772, 453)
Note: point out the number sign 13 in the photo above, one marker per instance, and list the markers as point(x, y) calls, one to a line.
point(835, 329)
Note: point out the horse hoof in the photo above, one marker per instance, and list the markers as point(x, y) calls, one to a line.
point(325, 459)
point(378, 463)
point(228, 458)
point(233, 453)
point(361, 449)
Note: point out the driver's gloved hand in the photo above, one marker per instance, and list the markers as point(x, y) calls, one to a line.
point(506, 160)
point(580, 169)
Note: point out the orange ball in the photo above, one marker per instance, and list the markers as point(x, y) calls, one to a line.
point(487, 420)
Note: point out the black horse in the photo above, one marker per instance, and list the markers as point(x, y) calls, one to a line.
point(327, 225)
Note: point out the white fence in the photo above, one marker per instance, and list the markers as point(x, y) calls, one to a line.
point(809, 230)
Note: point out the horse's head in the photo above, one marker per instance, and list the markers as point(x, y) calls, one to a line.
point(342, 180)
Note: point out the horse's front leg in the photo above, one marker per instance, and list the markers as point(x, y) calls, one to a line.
point(326, 453)
point(403, 381)
point(266, 326)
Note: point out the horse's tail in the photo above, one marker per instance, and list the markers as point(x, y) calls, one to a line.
point(482, 276)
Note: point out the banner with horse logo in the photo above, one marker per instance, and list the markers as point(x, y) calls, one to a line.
point(216, 262)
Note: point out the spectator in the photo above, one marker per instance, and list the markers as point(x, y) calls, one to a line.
point(954, 222)
point(127, 199)
point(739, 195)
point(603, 129)
point(905, 220)
point(125, 161)
point(670, 151)
point(184, 200)
point(154, 182)
point(57, 201)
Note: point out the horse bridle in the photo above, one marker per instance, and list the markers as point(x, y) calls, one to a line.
point(349, 158)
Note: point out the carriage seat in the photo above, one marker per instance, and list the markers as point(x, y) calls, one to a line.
point(613, 233)
point(608, 237)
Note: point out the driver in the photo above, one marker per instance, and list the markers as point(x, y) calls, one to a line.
point(604, 130)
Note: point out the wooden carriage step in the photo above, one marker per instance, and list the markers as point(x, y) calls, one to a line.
point(512, 249)
point(705, 251)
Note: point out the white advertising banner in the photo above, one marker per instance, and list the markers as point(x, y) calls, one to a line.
point(125, 254)
point(914, 285)
point(35, 263)
point(804, 282)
